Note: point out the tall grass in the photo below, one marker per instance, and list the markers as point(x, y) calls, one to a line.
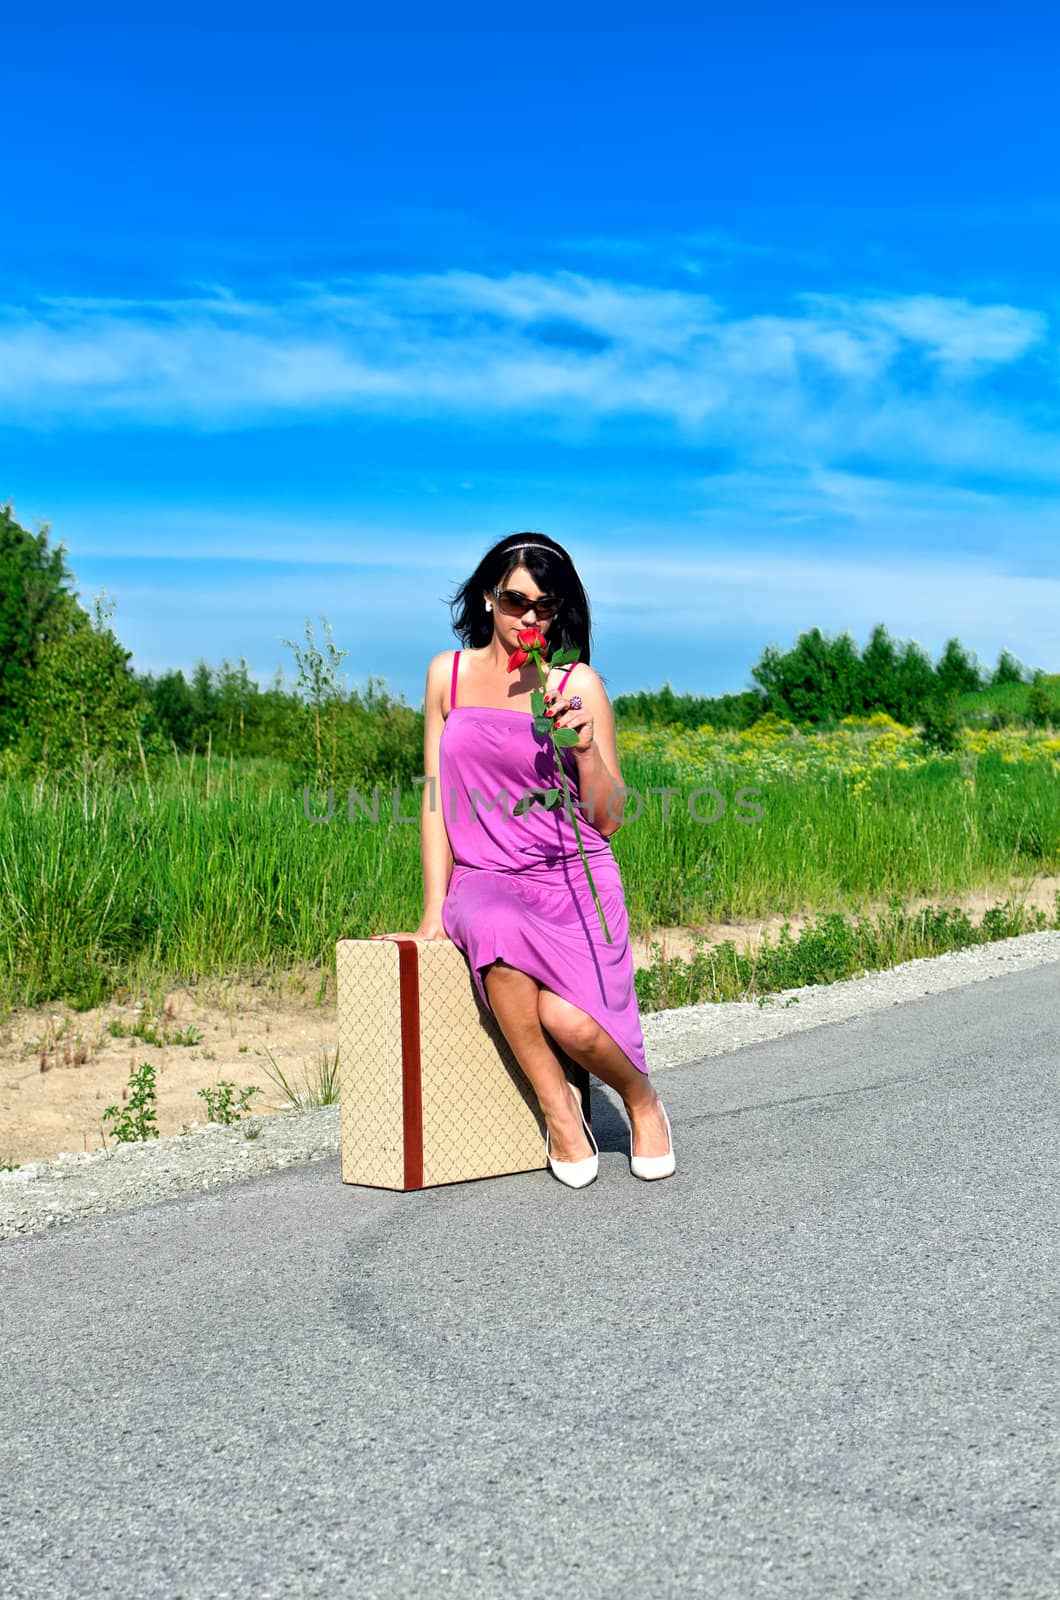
point(218, 872)
point(825, 844)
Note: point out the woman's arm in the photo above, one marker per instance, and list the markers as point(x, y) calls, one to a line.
point(601, 791)
point(435, 850)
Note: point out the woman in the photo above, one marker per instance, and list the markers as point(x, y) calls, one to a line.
point(510, 888)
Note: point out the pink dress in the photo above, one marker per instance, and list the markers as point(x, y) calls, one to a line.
point(518, 887)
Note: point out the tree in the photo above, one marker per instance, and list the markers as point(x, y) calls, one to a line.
point(913, 683)
point(322, 698)
point(1008, 670)
point(236, 696)
point(819, 680)
point(957, 671)
point(203, 703)
point(82, 707)
point(35, 608)
point(171, 702)
point(879, 663)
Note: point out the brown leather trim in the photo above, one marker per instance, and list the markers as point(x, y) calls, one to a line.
point(411, 1079)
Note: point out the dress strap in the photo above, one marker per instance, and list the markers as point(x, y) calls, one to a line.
point(452, 691)
point(566, 675)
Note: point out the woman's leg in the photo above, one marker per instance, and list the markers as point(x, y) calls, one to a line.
point(592, 1047)
point(513, 996)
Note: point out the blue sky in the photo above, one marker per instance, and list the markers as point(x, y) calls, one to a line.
point(755, 309)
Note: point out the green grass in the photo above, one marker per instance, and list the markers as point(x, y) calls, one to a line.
point(832, 947)
point(1010, 697)
point(821, 847)
point(126, 889)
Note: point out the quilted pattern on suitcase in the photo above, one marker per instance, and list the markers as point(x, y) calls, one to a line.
point(430, 1091)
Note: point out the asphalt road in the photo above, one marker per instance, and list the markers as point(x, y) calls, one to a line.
point(822, 1360)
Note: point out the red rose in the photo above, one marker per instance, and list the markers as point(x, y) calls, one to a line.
point(530, 639)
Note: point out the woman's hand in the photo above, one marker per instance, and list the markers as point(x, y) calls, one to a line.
point(429, 928)
point(558, 707)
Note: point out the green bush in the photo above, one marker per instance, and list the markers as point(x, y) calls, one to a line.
point(940, 723)
point(1041, 711)
point(221, 1103)
point(136, 1118)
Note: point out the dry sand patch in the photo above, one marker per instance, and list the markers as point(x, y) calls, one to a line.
point(60, 1068)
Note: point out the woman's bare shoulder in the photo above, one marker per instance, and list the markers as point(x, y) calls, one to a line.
point(439, 677)
point(583, 679)
point(438, 663)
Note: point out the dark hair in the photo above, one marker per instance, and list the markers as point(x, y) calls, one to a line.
point(551, 567)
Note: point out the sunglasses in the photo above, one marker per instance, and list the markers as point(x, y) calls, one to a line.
point(514, 604)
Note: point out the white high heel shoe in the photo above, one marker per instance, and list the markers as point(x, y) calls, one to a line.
point(576, 1174)
point(653, 1166)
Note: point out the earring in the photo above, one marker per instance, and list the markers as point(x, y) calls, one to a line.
point(489, 605)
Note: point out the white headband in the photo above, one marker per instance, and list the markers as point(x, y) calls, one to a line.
point(516, 547)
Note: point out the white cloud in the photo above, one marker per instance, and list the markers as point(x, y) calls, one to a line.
point(806, 387)
point(953, 332)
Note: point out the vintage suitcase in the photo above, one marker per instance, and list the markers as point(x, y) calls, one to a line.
point(429, 1089)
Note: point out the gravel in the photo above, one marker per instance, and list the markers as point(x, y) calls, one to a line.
point(46, 1194)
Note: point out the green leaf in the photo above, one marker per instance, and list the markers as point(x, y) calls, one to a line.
point(562, 657)
point(526, 801)
point(548, 798)
point(566, 736)
point(537, 702)
point(542, 725)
